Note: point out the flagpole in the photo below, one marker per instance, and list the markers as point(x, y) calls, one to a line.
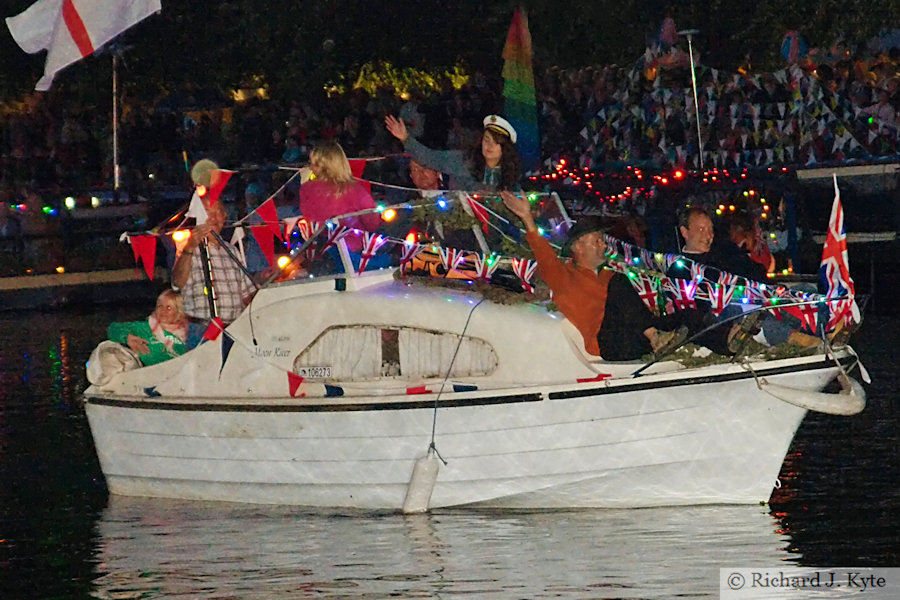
point(115, 126)
point(689, 33)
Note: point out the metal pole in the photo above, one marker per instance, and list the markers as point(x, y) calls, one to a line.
point(115, 126)
point(689, 33)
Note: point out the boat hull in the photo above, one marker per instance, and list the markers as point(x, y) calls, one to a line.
point(712, 437)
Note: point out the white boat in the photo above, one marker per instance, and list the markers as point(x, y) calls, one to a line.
point(348, 390)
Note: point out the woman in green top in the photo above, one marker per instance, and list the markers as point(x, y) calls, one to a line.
point(160, 337)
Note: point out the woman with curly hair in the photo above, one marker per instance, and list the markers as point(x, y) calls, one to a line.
point(491, 166)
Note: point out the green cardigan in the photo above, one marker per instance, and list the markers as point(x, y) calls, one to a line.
point(118, 332)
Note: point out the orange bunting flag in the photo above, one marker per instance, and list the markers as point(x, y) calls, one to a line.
point(294, 382)
point(144, 249)
point(217, 181)
point(263, 236)
point(269, 215)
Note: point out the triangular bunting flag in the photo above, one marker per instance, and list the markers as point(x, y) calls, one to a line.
point(144, 249)
point(294, 382)
point(263, 236)
point(215, 328)
point(269, 215)
point(217, 182)
point(227, 343)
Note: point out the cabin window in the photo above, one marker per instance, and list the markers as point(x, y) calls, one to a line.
point(366, 352)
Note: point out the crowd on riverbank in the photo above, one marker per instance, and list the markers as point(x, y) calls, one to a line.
point(837, 108)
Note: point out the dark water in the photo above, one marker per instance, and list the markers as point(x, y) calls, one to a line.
point(62, 536)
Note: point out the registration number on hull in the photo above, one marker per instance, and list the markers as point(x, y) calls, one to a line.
point(314, 372)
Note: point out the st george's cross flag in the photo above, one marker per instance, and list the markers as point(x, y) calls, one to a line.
point(834, 270)
point(70, 30)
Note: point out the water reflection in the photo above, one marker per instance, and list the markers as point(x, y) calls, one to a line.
point(169, 549)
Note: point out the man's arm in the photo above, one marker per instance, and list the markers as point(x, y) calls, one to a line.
point(181, 270)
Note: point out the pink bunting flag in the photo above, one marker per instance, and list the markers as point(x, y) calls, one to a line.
point(263, 236)
point(144, 249)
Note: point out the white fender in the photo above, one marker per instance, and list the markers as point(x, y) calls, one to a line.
point(849, 401)
point(421, 484)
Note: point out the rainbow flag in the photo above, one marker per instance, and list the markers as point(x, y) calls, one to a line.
point(518, 90)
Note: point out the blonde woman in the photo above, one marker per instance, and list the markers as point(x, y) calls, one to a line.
point(161, 336)
point(334, 192)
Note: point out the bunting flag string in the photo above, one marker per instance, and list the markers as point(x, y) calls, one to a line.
point(371, 243)
point(524, 268)
point(450, 258)
point(410, 251)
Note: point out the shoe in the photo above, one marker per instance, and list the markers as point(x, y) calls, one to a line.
point(748, 327)
point(668, 341)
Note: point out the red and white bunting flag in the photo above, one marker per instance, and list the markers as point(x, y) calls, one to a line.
point(683, 294)
point(218, 179)
point(294, 383)
point(70, 30)
point(410, 251)
point(485, 266)
point(371, 243)
point(335, 234)
point(480, 212)
point(647, 290)
point(524, 268)
point(307, 228)
point(719, 296)
point(451, 257)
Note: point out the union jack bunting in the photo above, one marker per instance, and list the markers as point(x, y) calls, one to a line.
point(698, 271)
point(484, 266)
point(834, 270)
point(626, 253)
point(307, 231)
point(719, 296)
point(371, 243)
point(410, 251)
point(524, 268)
point(647, 289)
point(335, 234)
point(683, 294)
point(451, 257)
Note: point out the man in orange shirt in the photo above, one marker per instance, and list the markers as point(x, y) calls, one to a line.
point(606, 310)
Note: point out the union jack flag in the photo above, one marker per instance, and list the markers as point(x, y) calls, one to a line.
point(835, 268)
point(719, 296)
point(484, 266)
point(683, 292)
point(451, 257)
point(371, 243)
point(410, 251)
point(335, 234)
point(525, 268)
point(647, 290)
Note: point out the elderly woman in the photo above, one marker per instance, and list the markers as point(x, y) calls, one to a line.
point(160, 337)
point(492, 165)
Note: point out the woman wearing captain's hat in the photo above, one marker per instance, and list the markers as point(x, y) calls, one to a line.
point(490, 166)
